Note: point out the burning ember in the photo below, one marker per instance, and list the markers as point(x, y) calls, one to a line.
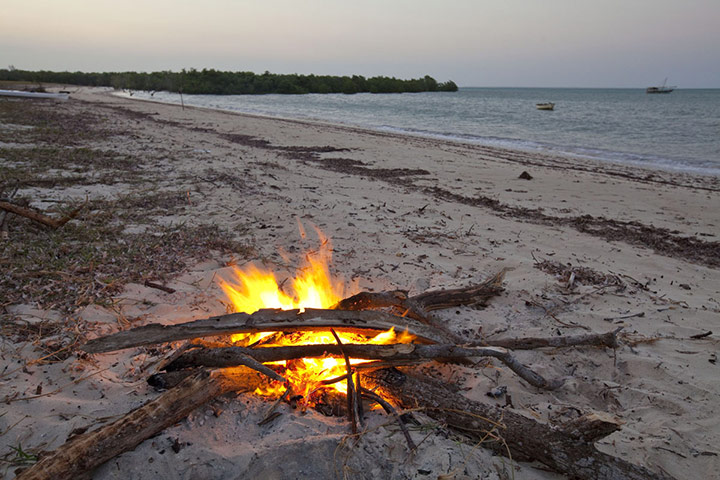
point(253, 289)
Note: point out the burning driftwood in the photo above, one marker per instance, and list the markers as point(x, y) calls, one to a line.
point(398, 354)
point(191, 385)
point(351, 314)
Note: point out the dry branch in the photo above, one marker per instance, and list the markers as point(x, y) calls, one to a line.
point(390, 410)
point(39, 217)
point(568, 450)
point(83, 453)
point(263, 321)
point(474, 295)
point(411, 353)
point(419, 306)
point(608, 339)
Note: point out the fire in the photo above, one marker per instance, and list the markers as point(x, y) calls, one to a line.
point(313, 287)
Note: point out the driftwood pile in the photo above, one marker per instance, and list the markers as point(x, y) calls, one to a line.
point(200, 371)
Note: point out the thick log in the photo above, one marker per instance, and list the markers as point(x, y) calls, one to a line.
point(568, 450)
point(231, 356)
point(473, 295)
point(608, 339)
point(83, 453)
point(419, 306)
point(265, 320)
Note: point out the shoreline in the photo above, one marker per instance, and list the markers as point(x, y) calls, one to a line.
point(653, 162)
point(588, 250)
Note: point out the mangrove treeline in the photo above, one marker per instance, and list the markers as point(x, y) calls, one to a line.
point(209, 81)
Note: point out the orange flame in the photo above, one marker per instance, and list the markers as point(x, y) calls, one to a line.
point(312, 287)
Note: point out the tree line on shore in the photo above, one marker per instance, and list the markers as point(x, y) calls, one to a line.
point(216, 82)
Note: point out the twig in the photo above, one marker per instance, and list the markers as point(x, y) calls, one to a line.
point(150, 284)
point(39, 217)
point(701, 335)
point(390, 410)
point(624, 317)
point(351, 397)
point(3, 215)
point(270, 414)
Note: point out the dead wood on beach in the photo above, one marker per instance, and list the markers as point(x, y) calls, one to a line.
point(85, 452)
point(397, 353)
point(263, 321)
point(608, 339)
point(420, 306)
point(39, 217)
point(351, 314)
point(567, 449)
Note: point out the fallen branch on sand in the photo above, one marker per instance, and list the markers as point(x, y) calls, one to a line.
point(83, 453)
point(567, 449)
point(39, 217)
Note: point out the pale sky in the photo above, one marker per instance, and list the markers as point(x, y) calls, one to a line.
point(544, 43)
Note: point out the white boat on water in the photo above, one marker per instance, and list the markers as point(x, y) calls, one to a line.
point(18, 93)
point(545, 106)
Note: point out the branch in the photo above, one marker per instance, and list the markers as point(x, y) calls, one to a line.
point(406, 352)
point(608, 339)
point(263, 321)
point(39, 217)
point(419, 306)
point(83, 453)
point(568, 450)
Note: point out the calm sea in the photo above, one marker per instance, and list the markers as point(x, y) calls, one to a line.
point(676, 131)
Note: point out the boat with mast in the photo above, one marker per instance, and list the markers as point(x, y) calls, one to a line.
point(661, 89)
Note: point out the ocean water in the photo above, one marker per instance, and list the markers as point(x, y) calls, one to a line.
point(676, 131)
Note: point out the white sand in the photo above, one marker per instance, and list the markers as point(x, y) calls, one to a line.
point(394, 235)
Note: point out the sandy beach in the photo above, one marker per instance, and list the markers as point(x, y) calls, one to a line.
point(589, 247)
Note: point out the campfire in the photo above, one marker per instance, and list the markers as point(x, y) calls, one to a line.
point(307, 342)
point(252, 289)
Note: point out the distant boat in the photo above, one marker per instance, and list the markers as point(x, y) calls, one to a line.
point(661, 89)
point(18, 93)
point(545, 106)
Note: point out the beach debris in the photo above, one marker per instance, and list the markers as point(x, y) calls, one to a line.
point(497, 392)
point(701, 335)
point(625, 317)
point(158, 286)
point(39, 217)
point(566, 448)
point(525, 176)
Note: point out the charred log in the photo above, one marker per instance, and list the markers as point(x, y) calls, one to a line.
point(411, 353)
point(568, 450)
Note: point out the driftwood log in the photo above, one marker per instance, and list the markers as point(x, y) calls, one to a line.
point(420, 306)
point(568, 449)
point(397, 353)
point(265, 320)
point(474, 295)
point(352, 314)
point(85, 452)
